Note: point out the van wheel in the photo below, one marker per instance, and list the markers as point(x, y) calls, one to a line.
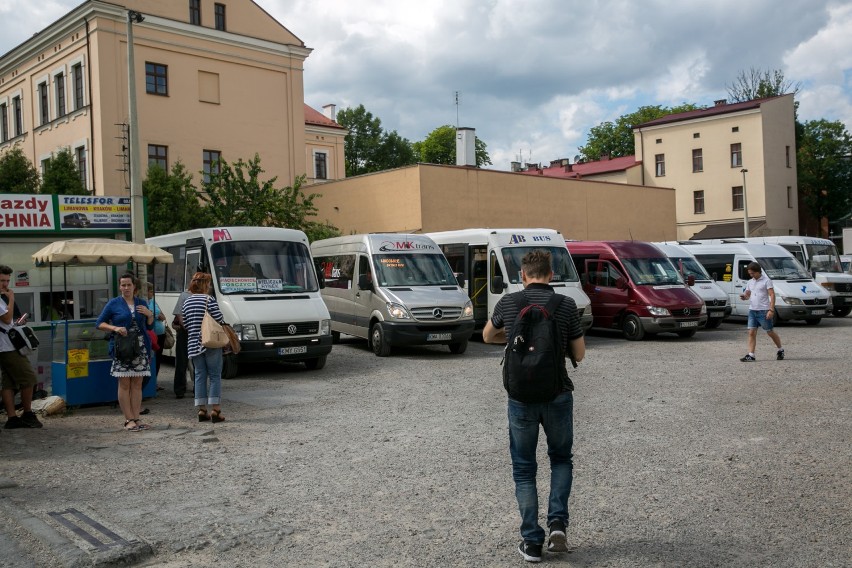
point(335, 337)
point(713, 323)
point(315, 364)
point(230, 368)
point(686, 334)
point(458, 348)
point(378, 341)
point(841, 312)
point(632, 328)
point(813, 321)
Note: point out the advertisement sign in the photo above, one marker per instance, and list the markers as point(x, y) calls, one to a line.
point(93, 212)
point(26, 212)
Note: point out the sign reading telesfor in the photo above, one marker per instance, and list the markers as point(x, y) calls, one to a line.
point(20, 213)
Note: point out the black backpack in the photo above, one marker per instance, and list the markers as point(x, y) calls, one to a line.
point(535, 358)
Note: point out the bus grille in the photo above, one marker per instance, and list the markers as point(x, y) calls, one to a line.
point(289, 329)
point(438, 313)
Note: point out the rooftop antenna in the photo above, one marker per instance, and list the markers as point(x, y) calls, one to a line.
point(457, 93)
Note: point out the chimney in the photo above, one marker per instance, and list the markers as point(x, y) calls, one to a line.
point(720, 102)
point(329, 111)
point(555, 163)
point(568, 167)
point(466, 146)
point(532, 167)
point(516, 166)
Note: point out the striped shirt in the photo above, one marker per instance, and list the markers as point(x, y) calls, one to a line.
point(193, 312)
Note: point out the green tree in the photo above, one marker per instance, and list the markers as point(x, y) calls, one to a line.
point(172, 201)
point(825, 171)
point(61, 176)
point(17, 173)
point(367, 147)
point(759, 84)
point(615, 139)
point(439, 147)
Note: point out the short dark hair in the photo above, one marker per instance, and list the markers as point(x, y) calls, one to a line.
point(754, 267)
point(5, 269)
point(200, 283)
point(132, 278)
point(536, 263)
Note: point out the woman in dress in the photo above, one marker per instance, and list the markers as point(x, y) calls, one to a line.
point(122, 315)
point(206, 361)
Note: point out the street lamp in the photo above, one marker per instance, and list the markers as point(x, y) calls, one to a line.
point(745, 205)
point(137, 203)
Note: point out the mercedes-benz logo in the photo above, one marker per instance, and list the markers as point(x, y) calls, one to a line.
point(291, 329)
point(438, 313)
point(686, 311)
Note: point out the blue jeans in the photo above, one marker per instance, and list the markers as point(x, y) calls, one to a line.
point(208, 365)
point(557, 419)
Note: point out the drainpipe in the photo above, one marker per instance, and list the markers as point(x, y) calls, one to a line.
point(642, 155)
point(91, 159)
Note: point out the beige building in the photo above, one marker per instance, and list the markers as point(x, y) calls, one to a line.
point(214, 79)
point(324, 145)
point(723, 160)
point(428, 197)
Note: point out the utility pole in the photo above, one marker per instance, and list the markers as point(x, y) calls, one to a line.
point(137, 203)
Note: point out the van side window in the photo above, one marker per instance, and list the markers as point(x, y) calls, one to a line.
point(495, 271)
point(175, 272)
point(719, 266)
point(455, 256)
point(364, 268)
point(337, 270)
point(608, 275)
point(743, 269)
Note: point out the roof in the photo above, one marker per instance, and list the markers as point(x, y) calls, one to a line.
point(582, 169)
point(313, 116)
point(717, 109)
point(726, 230)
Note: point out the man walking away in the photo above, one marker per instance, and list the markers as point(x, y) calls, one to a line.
point(760, 294)
point(556, 416)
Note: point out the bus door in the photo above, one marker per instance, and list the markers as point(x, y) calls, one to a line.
point(497, 282)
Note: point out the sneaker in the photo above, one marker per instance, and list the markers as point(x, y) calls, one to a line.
point(558, 542)
point(30, 420)
point(780, 354)
point(748, 358)
point(14, 422)
point(530, 551)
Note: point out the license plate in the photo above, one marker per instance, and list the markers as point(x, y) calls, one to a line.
point(717, 312)
point(439, 336)
point(817, 312)
point(689, 324)
point(292, 350)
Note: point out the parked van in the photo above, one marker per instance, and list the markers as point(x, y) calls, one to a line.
point(489, 261)
point(634, 287)
point(820, 257)
point(393, 289)
point(697, 278)
point(797, 296)
point(264, 281)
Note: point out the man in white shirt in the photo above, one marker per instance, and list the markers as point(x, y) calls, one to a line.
point(761, 310)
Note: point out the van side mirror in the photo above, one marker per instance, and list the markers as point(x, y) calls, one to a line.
point(460, 280)
point(364, 282)
point(621, 283)
point(498, 284)
point(690, 280)
point(321, 279)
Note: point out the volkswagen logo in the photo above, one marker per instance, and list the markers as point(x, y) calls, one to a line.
point(437, 313)
point(291, 329)
point(686, 311)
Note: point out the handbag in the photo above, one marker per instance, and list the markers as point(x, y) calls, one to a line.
point(23, 338)
point(127, 346)
point(213, 336)
point(233, 340)
point(169, 340)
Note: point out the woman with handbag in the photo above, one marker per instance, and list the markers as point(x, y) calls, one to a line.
point(128, 318)
point(207, 360)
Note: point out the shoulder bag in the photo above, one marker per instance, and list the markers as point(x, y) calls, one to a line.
point(213, 336)
point(23, 338)
point(169, 340)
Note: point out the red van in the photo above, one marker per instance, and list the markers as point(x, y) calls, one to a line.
point(634, 287)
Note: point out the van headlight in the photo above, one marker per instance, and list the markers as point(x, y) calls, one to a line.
point(587, 311)
point(703, 308)
point(792, 301)
point(325, 327)
point(467, 311)
point(397, 311)
point(658, 312)
point(246, 331)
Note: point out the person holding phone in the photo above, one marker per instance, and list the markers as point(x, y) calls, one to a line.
point(18, 373)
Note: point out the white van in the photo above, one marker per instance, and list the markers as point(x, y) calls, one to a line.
point(392, 289)
point(696, 276)
point(264, 281)
point(489, 260)
point(797, 296)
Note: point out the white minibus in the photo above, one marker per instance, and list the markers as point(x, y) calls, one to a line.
point(264, 281)
point(489, 260)
point(797, 296)
point(392, 289)
point(696, 276)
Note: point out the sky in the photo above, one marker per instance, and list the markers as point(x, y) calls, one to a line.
point(534, 77)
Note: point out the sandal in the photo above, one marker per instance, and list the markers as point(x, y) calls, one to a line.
point(134, 428)
point(202, 415)
point(216, 415)
point(142, 426)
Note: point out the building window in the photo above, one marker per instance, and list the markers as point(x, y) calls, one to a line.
point(80, 155)
point(659, 141)
point(661, 164)
point(4, 122)
point(43, 103)
point(18, 115)
point(789, 197)
point(77, 75)
point(696, 135)
point(59, 82)
point(787, 155)
point(210, 163)
point(44, 165)
point(156, 79)
point(219, 11)
point(320, 165)
point(737, 198)
point(159, 156)
point(735, 129)
point(736, 155)
point(195, 12)
point(698, 202)
point(697, 160)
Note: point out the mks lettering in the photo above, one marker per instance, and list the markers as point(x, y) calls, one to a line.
point(388, 246)
point(221, 235)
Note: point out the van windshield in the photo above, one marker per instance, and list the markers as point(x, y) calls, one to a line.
point(563, 268)
point(824, 258)
point(263, 267)
point(407, 269)
point(783, 268)
point(652, 271)
point(688, 266)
